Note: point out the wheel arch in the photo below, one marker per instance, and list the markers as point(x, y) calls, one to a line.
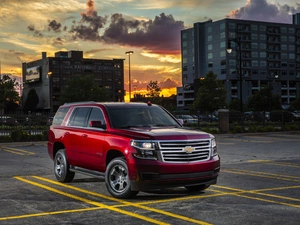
point(112, 154)
point(56, 147)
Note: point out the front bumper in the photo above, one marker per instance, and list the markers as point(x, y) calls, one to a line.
point(148, 175)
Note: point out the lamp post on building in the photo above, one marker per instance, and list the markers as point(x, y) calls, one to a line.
point(229, 50)
point(129, 53)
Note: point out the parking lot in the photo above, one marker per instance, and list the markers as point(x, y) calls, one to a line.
point(259, 183)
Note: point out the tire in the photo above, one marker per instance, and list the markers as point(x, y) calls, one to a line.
point(117, 179)
point(197, 187)
point(61, 167)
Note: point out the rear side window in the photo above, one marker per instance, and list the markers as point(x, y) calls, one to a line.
point(60, 115)
point(79, 117)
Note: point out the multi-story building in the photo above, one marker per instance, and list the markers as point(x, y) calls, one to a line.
point(263, 53)
point(49, 75)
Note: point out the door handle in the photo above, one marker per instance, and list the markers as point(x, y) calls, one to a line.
point(84, 135)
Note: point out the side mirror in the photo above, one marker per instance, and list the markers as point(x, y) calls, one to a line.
point(180, 121)
point(97, 124)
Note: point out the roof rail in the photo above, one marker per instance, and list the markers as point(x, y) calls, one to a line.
point(85, 102)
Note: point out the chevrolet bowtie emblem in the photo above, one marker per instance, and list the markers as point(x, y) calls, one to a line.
point(188, 149)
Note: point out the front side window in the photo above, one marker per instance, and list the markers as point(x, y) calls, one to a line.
point(96, 115)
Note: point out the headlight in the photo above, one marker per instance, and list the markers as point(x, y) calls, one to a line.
point(214, 147)
point(145, 149)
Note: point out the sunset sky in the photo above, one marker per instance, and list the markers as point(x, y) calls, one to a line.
point(107, 29)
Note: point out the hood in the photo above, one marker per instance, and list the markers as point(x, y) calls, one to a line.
point(169, 133)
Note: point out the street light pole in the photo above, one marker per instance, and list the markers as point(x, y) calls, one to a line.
point(229, 50)
point(129, 53)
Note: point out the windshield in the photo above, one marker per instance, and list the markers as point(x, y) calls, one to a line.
point(150, 116)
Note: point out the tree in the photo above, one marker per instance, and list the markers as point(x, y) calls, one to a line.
point(153, 89)
point(83, 88)
point(31, 101)
point(8, 94)
point(264, 100)
point(295, 105)
point(211, 95)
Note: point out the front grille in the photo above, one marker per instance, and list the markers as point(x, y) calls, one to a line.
point(185, 151)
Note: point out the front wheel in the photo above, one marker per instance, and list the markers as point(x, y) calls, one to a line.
point(197, 187)
point(61, 167)
point(117, 179)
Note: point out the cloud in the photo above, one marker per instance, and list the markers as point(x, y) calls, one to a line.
point(262, 10)
point(55, 26)
point(89, 25)
point(150, 35)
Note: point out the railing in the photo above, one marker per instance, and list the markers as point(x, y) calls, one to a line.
point(24, 127)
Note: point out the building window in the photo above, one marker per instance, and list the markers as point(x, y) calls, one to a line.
point(262, 37)
point(291, 39)
point(184, 44)
point(222, 26)
point(231, 26)
point(184, 35)
point(283, 47)
point(184, 68)
point(209, 38)
point(262, 46)
point(232, 35)
point(291, 56)
point(254, 63)
point(291, 30)
point(254, 45)
point(254, 36)
point(184, 52)
point(209, 47)
point(262, 54)
point(210, 64)
point(222, 35)
point(291, 47)
point(222, 53)
point(223, 71)
point(283, 55)
point(262, 28)
point(254, 54)
point(283, 38)
point(184, 60)
point(283, 30)
point(222, 44)
point(210, 55)
point(232, 62)
point(253, 27)
point(223, 63)
point(209, 29)
point(262, 63)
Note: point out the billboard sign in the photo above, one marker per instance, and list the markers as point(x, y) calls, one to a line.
point(33, 74)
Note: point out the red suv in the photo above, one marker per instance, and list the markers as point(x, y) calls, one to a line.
point(134, 146)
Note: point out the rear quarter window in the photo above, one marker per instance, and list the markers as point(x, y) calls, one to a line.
point(60, 115)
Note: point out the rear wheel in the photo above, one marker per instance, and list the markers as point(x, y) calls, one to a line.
point(197, 187)
point(117, 179)
point(61, 167)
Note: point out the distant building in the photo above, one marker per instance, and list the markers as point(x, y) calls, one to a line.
point(270, 54)
point(49, 75)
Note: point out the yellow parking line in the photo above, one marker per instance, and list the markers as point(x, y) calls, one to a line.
point(264, 175)
point(125, 202)
point(17, 151)
point(259, 199)
point(49, 213)
point(92, 202)
point(240, 193)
